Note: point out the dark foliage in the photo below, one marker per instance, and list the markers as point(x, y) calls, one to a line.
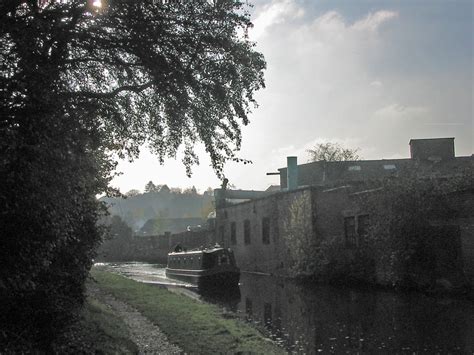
point(332, 152)
point(118, 240)
point(79, 85)
point(412, 234)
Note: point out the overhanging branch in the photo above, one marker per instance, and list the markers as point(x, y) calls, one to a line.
point(107, 95)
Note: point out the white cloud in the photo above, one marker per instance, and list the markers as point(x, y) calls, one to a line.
point(277, 12)
point(376, 84)
point(373, 20)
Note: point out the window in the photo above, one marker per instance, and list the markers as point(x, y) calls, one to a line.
point(354, 168)
point(267, 314)
point(350, 231)
point(221, 234)
point(248, 306)
point(363, 225)
point(246, 231)
point(266, 230)
point(233, 233)
point(356, 228)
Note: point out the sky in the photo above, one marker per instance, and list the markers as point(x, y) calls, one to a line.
point(366, 74)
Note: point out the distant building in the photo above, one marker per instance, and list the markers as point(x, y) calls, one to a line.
point(430, 157)
point(157, 226)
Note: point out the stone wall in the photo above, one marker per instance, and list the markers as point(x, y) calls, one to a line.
point(284, 214)
point(155, 248)
point(464, 203)
point(307, 235)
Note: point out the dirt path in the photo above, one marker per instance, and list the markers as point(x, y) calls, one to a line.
point(147, 336)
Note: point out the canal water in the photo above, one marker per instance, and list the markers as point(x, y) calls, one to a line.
point(325, 319)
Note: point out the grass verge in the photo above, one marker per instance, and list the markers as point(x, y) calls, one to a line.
point(98, 331)
point(196, 327)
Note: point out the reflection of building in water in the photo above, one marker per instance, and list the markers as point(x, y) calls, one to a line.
point(271, 231)
point(342, 319)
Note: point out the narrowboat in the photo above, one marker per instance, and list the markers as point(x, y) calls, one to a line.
point(206, 268)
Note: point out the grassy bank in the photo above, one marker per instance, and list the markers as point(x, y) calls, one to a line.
point(97, 331)
point(195, 327)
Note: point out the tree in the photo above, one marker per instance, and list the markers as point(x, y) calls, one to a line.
point(164, 189)
point(190, 191)
point(176, 190)
point(332, 152)
point(150, 187)
point(118, 241)
point(80, 85)
point(133, 193)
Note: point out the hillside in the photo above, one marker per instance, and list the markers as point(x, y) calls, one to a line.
point(136, 210)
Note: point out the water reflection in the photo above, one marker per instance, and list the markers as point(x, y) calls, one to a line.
point(143, 272)
point(343, 320)
point(325, 319)
point(229, 297)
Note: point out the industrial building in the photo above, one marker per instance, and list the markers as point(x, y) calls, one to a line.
point(320, 203)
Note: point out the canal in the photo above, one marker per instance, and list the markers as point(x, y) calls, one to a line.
point(327, 319)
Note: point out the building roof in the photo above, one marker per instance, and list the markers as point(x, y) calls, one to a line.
point(431, 139)
point(324, 173)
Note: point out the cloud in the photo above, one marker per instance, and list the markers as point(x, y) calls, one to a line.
point(277, 12)
point(373, 20)
point(283, 11)
point(320, 83)
point(376, 84)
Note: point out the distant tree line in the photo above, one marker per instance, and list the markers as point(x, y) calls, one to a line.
point(150, 187)
point(160, 202)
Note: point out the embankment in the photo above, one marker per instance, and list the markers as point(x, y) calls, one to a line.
point(195, 327)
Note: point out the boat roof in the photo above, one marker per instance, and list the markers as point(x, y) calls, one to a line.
point(200, 251)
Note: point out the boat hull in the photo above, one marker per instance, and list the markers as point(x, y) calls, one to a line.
point(228, 277)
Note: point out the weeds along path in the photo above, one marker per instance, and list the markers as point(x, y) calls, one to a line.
point(146, 335)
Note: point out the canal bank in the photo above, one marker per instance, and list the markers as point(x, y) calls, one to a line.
point(194, 326)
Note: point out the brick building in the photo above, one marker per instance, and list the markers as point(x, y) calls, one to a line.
point(270, 231)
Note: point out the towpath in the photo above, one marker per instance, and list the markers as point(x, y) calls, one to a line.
point(147, 336)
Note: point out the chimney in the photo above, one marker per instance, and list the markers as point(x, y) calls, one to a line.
point(292, 173)
point(434, 149)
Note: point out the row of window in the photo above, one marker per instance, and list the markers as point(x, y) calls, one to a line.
point(183, 260)
point(248, 232)
point(359, 168)
point(355, 228)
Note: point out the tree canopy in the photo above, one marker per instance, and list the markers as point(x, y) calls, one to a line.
point(150, 187)
point(332, 152)
point(135, 72)
point(80, 85)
